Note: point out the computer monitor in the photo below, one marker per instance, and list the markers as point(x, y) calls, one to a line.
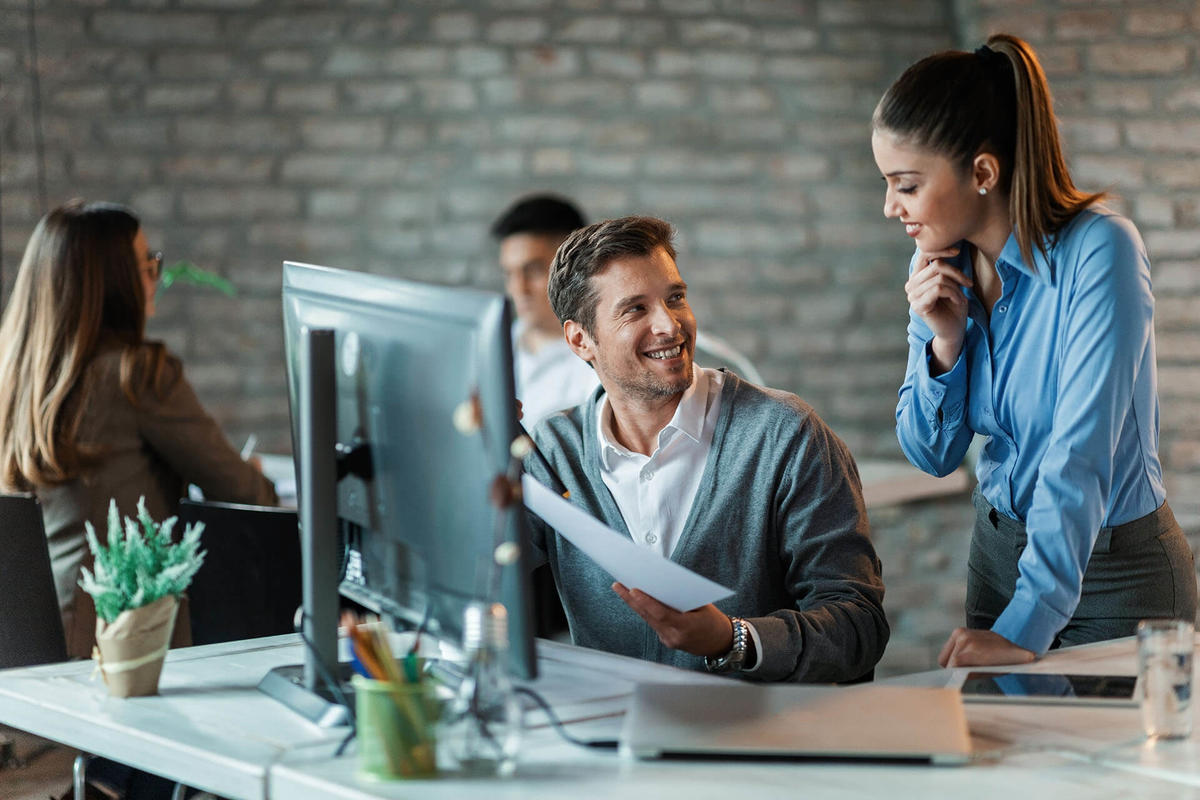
point(389, 490)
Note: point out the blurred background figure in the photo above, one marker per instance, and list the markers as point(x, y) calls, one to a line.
point(91, 410)
point(549, 377)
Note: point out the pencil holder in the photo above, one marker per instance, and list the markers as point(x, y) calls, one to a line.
point(395, 727)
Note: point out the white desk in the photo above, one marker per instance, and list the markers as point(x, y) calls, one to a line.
point(209, 728)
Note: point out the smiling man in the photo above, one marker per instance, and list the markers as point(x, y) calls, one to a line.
point(742, 484)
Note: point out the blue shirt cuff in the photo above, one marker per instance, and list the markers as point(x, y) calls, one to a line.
point(1029, 624)
point(946, 392)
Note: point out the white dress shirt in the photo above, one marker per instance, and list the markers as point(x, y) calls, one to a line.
point(655, 492)
point(549, 379)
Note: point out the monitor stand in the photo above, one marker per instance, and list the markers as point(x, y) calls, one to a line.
point(304, 688)
point(286, 684)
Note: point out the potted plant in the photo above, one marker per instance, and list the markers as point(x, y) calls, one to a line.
point(139, 575)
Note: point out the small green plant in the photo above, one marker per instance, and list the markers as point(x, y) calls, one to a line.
point(139, 563)
point(187, 272)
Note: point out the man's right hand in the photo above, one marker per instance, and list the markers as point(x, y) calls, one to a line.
point(935, 295)
point(705, 631)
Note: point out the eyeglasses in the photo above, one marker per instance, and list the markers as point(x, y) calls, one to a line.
point(155, 272)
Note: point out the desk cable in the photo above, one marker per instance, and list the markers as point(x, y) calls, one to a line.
point(556, 723)
point(335, 688)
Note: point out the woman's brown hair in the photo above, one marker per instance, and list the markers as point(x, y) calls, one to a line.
point(78, 288)
point(994, 100)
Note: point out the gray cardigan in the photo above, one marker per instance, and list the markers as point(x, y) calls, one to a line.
point(778, 517)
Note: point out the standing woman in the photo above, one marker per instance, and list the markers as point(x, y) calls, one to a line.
point(1032, 324)
point(90, 409)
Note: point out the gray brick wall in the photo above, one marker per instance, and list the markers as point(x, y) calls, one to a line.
point(385, 135)
point(923, 546)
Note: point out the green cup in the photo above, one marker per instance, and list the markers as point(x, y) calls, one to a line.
point(395, 727)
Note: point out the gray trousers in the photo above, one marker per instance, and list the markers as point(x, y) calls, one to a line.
point(1137, 570)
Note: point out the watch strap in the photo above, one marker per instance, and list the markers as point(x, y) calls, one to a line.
point(733, 660)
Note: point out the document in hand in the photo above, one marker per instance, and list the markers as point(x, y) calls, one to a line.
point(636, 567)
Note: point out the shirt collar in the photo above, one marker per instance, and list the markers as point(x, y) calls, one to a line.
point(1043, 269)
point(688, 419)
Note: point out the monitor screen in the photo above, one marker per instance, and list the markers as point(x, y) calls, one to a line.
point(416, 531)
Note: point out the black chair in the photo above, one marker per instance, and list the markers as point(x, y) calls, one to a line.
point(249, 585)
point(31, 630)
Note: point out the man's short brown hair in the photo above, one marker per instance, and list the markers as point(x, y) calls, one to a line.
point(587, 251)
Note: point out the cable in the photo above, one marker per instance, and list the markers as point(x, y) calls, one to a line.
point(335, 688)
point(555, 722)
point(330, 681)
point(423, 625)
point(598, 744)
point(346, 741)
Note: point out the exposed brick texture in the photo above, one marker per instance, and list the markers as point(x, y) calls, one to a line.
point(385, 136)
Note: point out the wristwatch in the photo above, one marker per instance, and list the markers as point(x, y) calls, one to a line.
point(736, 657)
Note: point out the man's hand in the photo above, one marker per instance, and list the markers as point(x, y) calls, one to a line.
point(705, 631)
point(978, 648)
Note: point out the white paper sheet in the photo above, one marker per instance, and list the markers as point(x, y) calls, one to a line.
point(636, 567)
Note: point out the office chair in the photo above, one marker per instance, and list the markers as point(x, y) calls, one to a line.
point(34, 634)
point(712, 351)
point(249, 584)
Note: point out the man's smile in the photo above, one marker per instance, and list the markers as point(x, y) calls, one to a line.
point(670, 352)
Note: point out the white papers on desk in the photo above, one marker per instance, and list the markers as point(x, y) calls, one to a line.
point(636, 567)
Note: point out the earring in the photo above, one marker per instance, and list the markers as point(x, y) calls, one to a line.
point(983, 190)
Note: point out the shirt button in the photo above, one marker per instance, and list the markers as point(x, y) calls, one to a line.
point(1002, 309)
point(647, 474)
point(651, 538)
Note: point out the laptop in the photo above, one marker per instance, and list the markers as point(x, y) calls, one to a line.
point(789, 721)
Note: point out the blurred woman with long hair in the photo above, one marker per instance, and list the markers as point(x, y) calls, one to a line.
point(91, 410)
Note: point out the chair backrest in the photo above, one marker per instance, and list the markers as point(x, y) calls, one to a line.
point(249, 585)
point(31, 630)
point(712, 351)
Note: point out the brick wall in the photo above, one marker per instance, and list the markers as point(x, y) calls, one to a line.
point(386, 135)
point(923, 546)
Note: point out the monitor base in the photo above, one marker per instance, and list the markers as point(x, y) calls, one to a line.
point(286, 684)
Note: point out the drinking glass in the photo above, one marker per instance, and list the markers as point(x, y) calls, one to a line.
point(1165, 677)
